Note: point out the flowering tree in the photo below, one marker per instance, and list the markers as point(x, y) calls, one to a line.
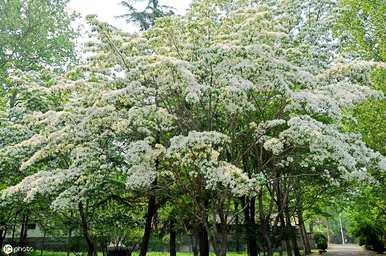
point(203, 111)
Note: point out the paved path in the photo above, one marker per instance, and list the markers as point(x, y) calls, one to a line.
point(347, 250)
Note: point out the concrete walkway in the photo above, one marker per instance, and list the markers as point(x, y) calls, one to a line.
point(347, 250)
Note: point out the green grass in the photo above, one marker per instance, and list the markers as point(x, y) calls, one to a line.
point(53, 253)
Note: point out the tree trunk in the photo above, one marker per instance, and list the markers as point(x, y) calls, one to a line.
point(292, 232)
point(237, 229)
point(252, 223)
point(264, 226)
point(23, 234)
point(195, 239)
point(303, 232)
point(43, 241)
point(85, 230)
point(249, 206)
point(203, 241)
point(13, 233)
point(284, 231)
point(220, 243)
point(302, 227)
point(3, 233)
point(69, 242)
point(285, 235)
point(151, 211)
point(173, 237)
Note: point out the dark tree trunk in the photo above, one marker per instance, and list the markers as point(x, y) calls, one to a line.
point(23, 233)
point(151, 211)
point(173, 238)
point(203, 241)
point(43, 241)
point(237, 229)
point(249, 206)
point(264, 228)
point(13, 233)
point(303, 232)
point(85, 230)
point(285, 235)
point(69, 242)
point(195, 239)
point(3, 233)
point(302, 227)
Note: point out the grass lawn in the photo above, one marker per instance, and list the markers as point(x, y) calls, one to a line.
point(52, 253)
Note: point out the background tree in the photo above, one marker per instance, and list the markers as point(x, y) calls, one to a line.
point(147, 17)
point(33, 35)
point(362, 29)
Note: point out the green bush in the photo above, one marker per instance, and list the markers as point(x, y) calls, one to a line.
point(321, 241)
point(370, 236)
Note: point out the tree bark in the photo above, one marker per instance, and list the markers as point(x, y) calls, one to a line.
point(302, 227)
point(281, 207)
point(69, 242)
point(151, 211)
point(23, 234)
point(264, 226)
point(195, 239)
point(43, 242)
point(292, 232)
point(3, 233)
point(303, 232)
point(203, 241)
point(249, 206)
point(86, 233)
point(13, 233)
point(237, 228)
point(173, 238)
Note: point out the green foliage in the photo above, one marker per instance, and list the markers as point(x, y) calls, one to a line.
point(147, 17)
point(35, 33)
point(370, 235)
point(362, 25)
point(321, 241)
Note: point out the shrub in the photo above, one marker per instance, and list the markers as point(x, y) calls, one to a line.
point(370, 236)
point(321, 241)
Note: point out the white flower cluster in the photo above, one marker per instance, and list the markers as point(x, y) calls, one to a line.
point(329, 100)
point(42, 183)
point(198, 153)
point(141, 159)
point(326, 143)
point(274, 145)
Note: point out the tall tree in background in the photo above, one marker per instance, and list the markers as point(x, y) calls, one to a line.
point(362, 29)
point(145, 18)
point(363, 24)
point(33, 35)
